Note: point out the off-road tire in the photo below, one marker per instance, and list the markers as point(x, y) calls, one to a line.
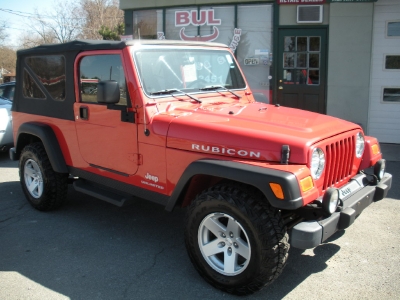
point(264, 231)
point(53, 191)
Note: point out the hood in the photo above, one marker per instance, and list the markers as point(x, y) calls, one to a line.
point(250, 130)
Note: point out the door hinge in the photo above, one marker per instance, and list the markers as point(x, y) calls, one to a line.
point(136, 158)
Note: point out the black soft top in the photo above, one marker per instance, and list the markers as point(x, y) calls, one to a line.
point(85, 45)
point(74, 46)
point(64, 109)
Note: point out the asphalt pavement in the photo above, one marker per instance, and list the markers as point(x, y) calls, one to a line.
point(90, 249)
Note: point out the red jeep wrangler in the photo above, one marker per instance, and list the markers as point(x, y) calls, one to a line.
point(176, 123)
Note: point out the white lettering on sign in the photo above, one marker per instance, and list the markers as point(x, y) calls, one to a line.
point(251, 61)
point(236, 38)
point(196, 18)
point(223, 150)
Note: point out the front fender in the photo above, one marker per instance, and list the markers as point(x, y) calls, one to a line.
point(256, 176)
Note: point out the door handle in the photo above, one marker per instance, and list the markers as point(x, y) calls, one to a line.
point(84, 112)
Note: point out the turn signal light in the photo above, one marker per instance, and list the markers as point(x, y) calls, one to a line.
point(306, 184)
point(277, 190)
point(375, 149)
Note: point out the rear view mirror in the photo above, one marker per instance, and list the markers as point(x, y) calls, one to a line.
point(108, 92)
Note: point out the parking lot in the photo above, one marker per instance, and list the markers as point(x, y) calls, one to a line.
point(90, 249)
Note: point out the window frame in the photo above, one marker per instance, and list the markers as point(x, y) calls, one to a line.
point(382, 94)
point(384, 62)
point(386, 29)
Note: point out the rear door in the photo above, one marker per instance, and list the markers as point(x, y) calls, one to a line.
point(302, 69)
point(107, 133)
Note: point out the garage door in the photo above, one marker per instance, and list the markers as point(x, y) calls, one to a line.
point(384, 109)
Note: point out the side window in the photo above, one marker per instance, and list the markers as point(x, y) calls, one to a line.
point(30, 88)
point(95, 68)
point(50, 71)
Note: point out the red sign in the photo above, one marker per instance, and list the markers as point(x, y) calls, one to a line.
point(197, 18)
point(303, 2)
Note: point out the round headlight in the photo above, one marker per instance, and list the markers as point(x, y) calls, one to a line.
point(317, 163)
point(360, 144)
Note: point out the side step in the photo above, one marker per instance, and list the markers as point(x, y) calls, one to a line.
point(101, 193)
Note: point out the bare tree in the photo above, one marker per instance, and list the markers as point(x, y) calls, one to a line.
point(100, 14)
point(8, 59)
point(3, 34)
point(63, 25)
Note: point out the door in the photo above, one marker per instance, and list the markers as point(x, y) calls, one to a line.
point(107, 133)
point(302, 69)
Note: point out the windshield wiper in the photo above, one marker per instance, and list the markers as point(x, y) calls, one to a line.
point(217, 87)
point(172, 91)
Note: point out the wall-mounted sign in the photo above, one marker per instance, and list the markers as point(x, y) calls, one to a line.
point(310, 2)
point(350, 1)
point(302, 2)
point(126, 37)
point(197, 18)
point(251, 61)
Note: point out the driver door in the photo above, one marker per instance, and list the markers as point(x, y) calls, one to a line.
point(107, 133)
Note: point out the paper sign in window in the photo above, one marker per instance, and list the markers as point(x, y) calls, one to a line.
point(189, 73)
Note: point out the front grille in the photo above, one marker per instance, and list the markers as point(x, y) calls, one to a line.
point(339, 161)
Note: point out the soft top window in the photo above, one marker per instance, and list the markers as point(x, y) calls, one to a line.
point(49, 70)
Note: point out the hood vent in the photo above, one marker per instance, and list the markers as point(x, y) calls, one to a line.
point(309, 13)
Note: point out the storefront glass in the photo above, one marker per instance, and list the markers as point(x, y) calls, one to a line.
point(147, 23)
point(250, 39)
point(254, 51)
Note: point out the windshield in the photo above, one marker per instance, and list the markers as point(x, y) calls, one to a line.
point(188, 70)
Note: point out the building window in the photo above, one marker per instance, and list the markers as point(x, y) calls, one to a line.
point(147, 24)
point(391, 94)
point(255, 46)
point(393, 29)
point(392, 62)
point(250, 39)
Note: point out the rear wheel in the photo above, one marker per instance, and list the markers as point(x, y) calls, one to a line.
point(44, 188)
point(235, 239)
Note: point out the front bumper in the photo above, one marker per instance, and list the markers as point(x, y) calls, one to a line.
point(310, 234)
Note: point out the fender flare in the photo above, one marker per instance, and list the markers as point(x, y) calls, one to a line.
point(46, 134)
point(259, 177)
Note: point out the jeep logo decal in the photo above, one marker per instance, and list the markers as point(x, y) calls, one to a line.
point(151, 177)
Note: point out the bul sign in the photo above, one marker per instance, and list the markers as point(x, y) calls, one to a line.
point(197, 18)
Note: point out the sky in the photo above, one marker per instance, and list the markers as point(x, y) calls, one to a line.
point(16, 23)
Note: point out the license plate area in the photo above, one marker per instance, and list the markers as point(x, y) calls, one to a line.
point(349, 189)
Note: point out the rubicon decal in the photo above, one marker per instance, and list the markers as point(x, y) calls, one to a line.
point(226, 151)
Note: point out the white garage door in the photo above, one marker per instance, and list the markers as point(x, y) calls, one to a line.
point(384, 109)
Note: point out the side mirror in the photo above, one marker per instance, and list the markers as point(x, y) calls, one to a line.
point(108, 92)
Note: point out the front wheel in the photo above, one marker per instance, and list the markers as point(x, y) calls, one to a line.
point(235, 240)
point(44, 188)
